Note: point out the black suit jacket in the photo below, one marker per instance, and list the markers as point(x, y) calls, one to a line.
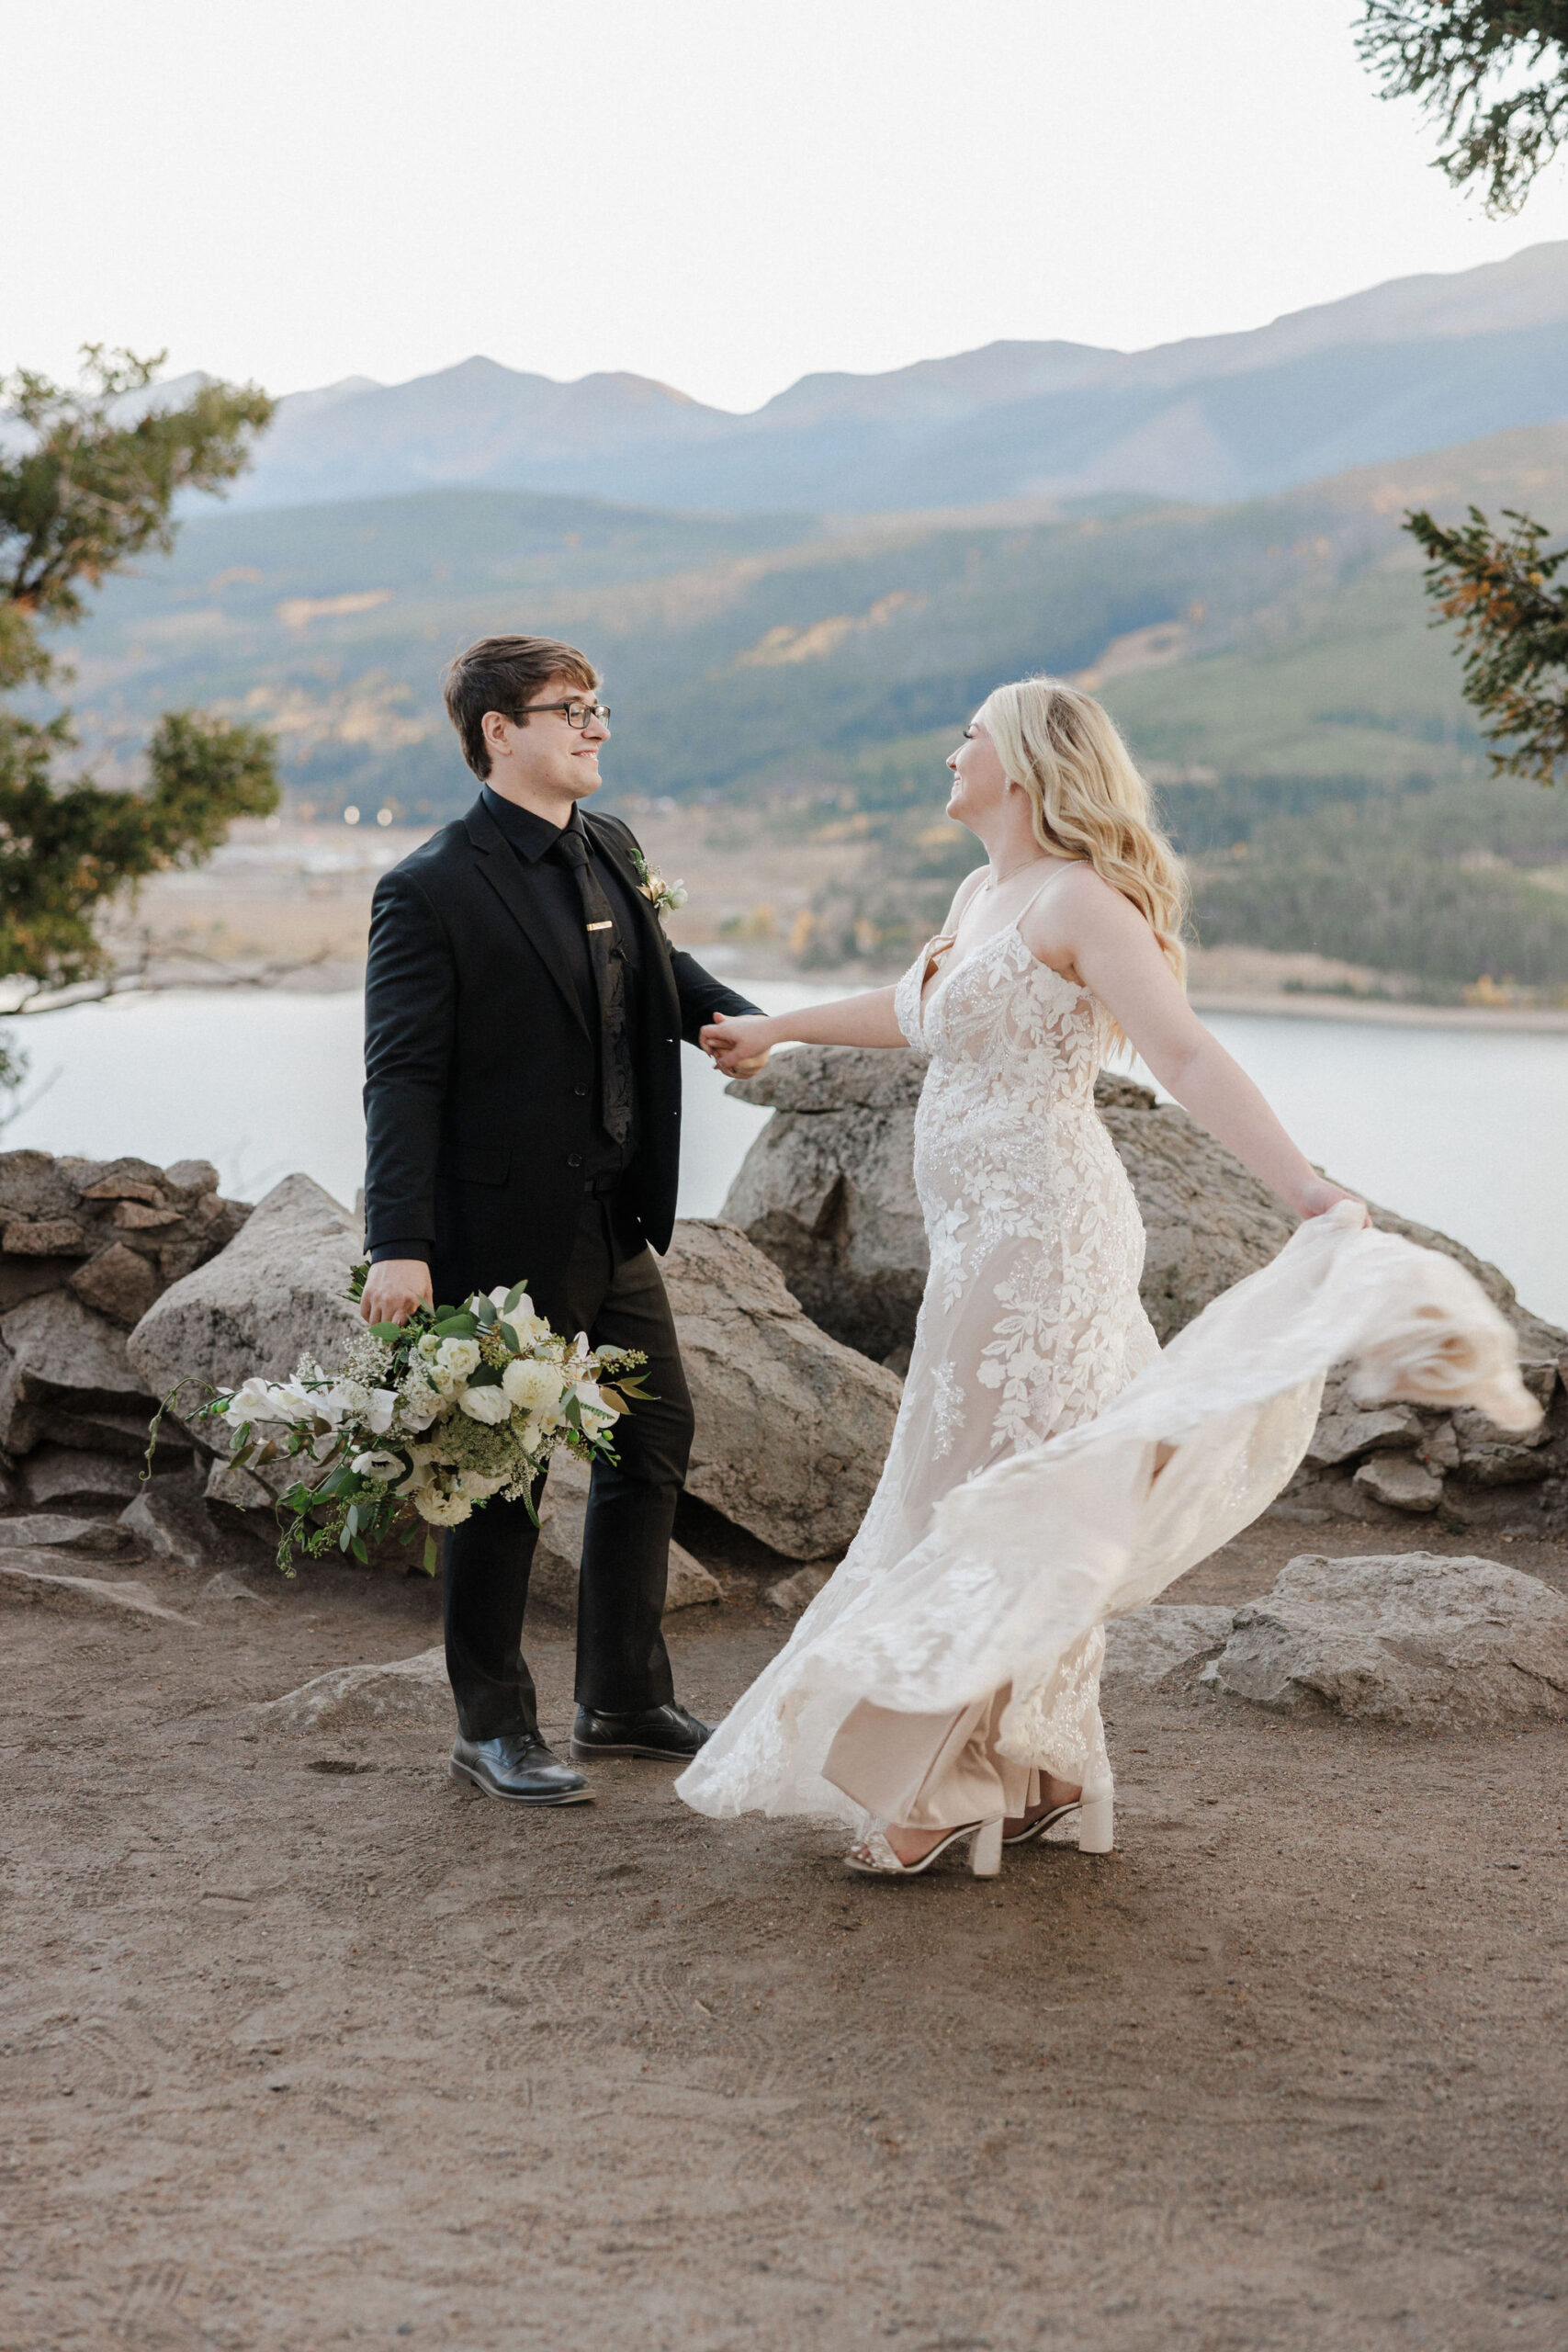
point(479, 1098)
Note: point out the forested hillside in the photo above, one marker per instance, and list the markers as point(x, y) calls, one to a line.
point(1271, 661)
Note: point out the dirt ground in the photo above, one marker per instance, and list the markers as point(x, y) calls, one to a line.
point(303, 2046)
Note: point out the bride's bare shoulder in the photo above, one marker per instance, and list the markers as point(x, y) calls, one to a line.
point(968, 890)
point(1080, 895)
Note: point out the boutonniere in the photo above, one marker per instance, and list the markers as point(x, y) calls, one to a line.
point(664, 897)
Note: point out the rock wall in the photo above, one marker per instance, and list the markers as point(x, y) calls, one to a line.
point(793, 1427)
point(826, 1191)
point(86, 1248)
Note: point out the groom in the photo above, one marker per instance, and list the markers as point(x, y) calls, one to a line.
point(524, 1012)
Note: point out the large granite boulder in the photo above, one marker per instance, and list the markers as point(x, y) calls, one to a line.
point(66, 1378)
point(827, 1191)
point(1151, 1645)
point(828, 1188)
point(793, 1427)
point(1411, 1637)
point(276, 1293)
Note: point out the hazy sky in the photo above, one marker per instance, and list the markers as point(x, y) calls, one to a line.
point(725, 194)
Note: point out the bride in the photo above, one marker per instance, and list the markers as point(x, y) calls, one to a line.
point(914, 1699)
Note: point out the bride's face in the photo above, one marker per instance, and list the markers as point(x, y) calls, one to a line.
point(979, 782)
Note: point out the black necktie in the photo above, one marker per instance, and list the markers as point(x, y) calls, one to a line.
point(615, 1084)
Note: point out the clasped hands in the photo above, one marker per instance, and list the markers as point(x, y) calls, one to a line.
point(738, 1044)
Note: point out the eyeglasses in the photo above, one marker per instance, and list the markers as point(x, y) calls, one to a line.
point(577, 714)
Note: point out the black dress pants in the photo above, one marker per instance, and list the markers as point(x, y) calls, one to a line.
point(622, 1663)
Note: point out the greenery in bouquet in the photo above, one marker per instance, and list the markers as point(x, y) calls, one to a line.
point(425, 1421)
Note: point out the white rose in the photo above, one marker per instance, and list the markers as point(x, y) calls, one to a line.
point(443, 1510)
point(530, 1383)
point(490, 1405)
point(377, 1464)
point(458, 1357)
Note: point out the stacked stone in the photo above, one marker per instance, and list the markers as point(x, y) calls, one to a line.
point(826, 1191)
point(86, 1247)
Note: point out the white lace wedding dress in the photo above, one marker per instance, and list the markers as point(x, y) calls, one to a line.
point(989, 1558)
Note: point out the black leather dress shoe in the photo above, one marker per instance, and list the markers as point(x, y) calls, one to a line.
point(652, 1731)
point(519, 1767)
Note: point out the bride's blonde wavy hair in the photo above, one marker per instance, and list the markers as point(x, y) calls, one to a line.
point(1087, 799)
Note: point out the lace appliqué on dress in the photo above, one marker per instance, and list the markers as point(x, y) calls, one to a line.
point(947, 1409)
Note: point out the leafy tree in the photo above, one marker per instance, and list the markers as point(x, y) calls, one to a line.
point(1513, 623)
point(1496, 77)
point(90, 482)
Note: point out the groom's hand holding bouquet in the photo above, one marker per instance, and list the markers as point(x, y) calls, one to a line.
point(428, 1418)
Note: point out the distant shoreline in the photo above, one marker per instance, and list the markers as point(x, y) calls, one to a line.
point(1546, 1020)
point(1388, 1012)
point(340, 977)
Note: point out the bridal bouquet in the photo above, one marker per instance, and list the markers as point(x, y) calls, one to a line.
point(431, 1416)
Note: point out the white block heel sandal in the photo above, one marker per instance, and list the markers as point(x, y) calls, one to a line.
point(874, 1857)
point(1096, 1824)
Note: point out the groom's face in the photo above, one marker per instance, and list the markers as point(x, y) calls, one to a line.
point(545, 760)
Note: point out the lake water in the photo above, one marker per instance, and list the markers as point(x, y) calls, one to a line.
point(1464, 1130)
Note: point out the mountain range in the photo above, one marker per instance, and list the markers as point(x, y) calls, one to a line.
point(1419, 363)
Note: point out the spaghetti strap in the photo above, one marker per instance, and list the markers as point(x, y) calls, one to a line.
point(1063, 866)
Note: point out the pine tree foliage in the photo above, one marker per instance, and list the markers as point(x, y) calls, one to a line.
point(1513, 624)
point(88, 482)
point(1496, 78)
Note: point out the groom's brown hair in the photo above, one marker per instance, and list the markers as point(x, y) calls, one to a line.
point(504, 674)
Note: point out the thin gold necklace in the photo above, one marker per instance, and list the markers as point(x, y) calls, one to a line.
point(996, 879)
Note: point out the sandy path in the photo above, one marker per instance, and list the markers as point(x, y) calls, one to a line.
point(302, 2055)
